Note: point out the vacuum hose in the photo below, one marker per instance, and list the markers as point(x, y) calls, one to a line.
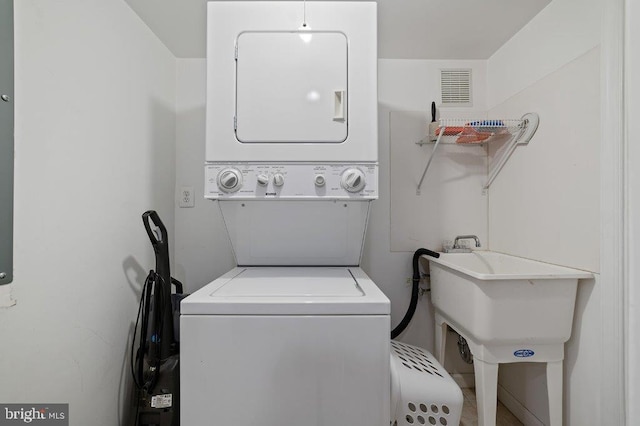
point(414, 291)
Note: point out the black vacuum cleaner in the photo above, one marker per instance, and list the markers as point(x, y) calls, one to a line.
point(155, 365)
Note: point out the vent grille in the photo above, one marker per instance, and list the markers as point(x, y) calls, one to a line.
point(455, 85)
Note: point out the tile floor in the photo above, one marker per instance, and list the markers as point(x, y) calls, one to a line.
point(470, 413)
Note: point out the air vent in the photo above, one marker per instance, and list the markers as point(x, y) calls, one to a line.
point(455, 85)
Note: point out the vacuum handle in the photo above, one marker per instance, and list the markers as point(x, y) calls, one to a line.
point(152, 216)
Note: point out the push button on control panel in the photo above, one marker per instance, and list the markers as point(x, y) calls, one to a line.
point(320, 180)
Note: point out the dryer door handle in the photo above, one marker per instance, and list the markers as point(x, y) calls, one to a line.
point(339, 104)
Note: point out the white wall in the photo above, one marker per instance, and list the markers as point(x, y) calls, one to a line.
point(203, 251)
point(401, 221)
point(95, 129)
point(561, 32)
point(632, 93)
point(452, 187)
point(545, 204)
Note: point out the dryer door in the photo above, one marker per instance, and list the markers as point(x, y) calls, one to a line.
point(291, 87)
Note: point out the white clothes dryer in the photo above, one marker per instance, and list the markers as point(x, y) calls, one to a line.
point(292, 81)
point(275, 346)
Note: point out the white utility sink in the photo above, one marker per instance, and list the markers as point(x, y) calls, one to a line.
point(494, 297)
point(509, 309)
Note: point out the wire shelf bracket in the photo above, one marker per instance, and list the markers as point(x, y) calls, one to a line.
point(480, 132)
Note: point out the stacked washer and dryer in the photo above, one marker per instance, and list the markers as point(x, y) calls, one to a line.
point(296, 334)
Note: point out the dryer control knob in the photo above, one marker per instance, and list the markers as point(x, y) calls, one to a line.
point(320, 180)
point(263, 180)
point(278, 179)
point(230, 180)
point(353, 180)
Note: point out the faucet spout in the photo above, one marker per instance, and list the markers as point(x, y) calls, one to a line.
point(466, 237)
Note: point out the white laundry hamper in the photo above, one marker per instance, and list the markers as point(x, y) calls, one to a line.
point(422, 392)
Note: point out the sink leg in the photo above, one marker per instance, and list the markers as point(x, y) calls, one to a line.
point(486, 375)
point(441, 339)
point(554, 390)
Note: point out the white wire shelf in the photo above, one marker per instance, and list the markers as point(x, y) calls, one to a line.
point(458, 131)
point(473, 132)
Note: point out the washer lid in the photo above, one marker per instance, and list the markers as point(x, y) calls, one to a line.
point(289, 291)
point(291, 282)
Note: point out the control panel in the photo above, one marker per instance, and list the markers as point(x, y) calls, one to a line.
point(291, 181)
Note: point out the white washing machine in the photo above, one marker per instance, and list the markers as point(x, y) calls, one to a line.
point(297, 334)
point(286, 346)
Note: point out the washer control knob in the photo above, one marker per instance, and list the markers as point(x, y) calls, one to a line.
point(278, 179)
point(320, 181)
point(263, 180)
point(353, 180)
point(230, 180)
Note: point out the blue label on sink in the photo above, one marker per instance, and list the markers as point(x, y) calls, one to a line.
point(524, 353)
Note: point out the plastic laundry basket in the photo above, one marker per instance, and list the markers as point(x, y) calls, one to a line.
point(422, 392)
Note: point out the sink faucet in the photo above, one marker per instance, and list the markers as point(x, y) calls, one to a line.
point(465, 237)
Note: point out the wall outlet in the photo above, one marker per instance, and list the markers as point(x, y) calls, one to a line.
point(186, 197)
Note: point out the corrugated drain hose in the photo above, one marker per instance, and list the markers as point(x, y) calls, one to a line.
point(414, 291)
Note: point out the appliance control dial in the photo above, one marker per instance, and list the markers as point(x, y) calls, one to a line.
point(263, 180)
point(230, 180)
point(320, 180)
point(278, 179)
point(353, 180)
